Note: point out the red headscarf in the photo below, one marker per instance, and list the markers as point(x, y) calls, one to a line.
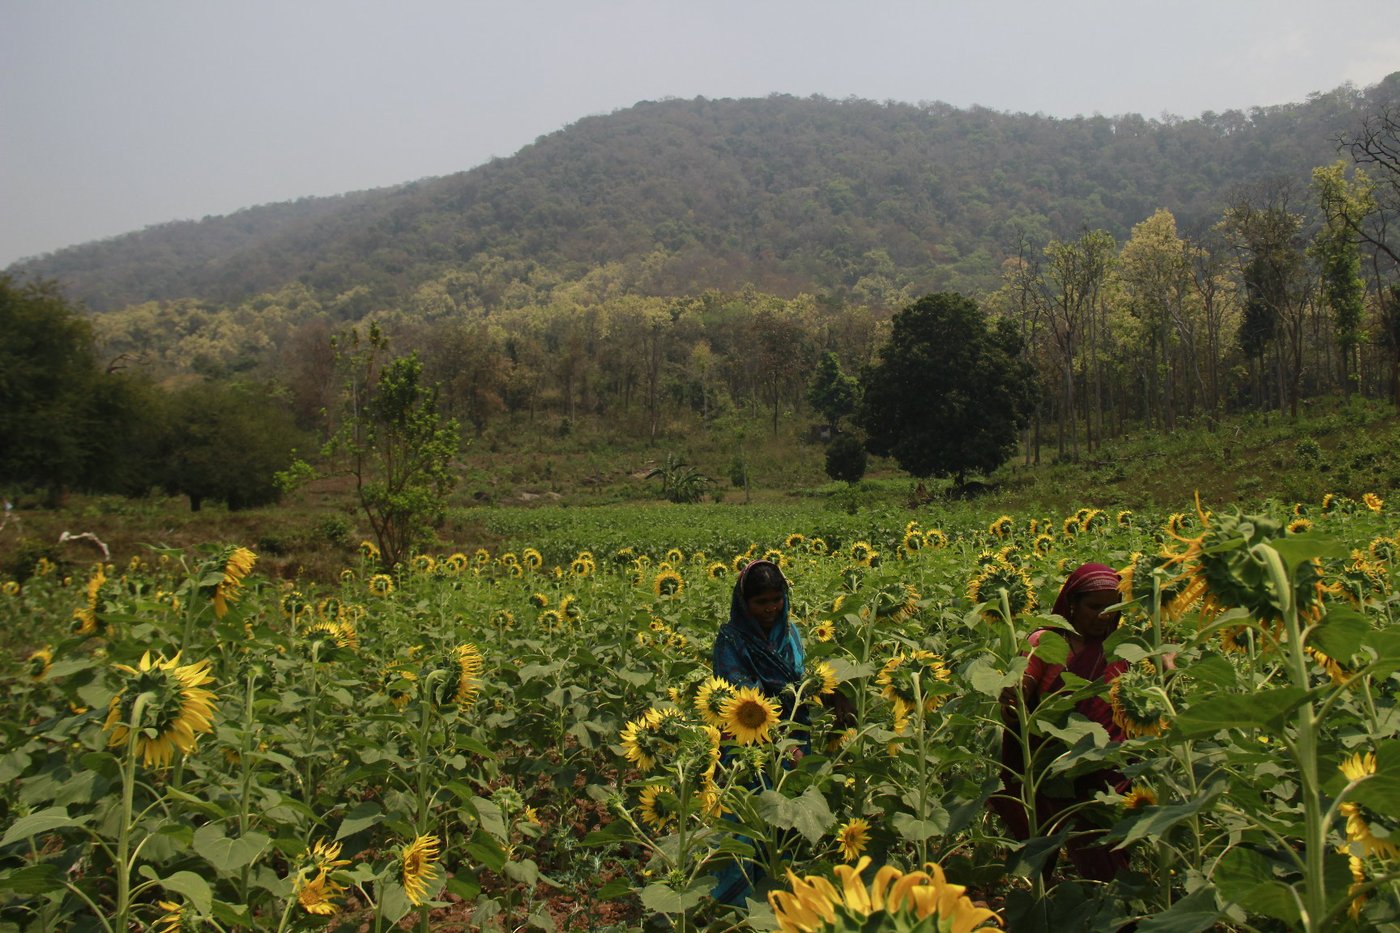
point(1089, 578)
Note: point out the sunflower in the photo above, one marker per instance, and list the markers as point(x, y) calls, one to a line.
point(896, 680)
point(1299, 525)
point(818, 547)
point(897, 602)
point(895, 900)
point(709, 700)
point(237, 563)
point(568, 606)
point(1043, 544)
point(459, 680)
point(12, 588)
point(1091, 519)
point(177, 707)
point(503, 619)
point(935, 538)
point(821, 680)
point(455, 562)
point(85, 620)
point(39, 663)
point(369, 550)
point(861, 552)
point(172, 921)
point(1373, 502)
point(581, 568)
point(824, 630)
point(998, 576)
point(293, 605)
point(381, 584)
point(674, 556)
point(1358, 881)
point(667, 583)
point(317, 895)
point(658, 806)
point(1001, 527)
point(420, 874)
point(1362, 821)
point(749, 716)
point(539, 600)
point(912, 541)
point(654, 734)
point(343, 634)
point(853, 838)
point(1124, 519)
point(717, 570)
point(1139, 708)
point(532, 558)
point(1176, 524)
point(1140, 796)
point(1070, 526)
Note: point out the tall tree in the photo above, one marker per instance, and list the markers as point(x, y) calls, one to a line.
point(948, 394)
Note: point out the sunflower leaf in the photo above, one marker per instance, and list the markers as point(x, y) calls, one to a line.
point(1246, 877)
point(44, 821)
point(225, 854)
point(808, 814)
point(360, 818)
point(1264, 709)
point(192, 887)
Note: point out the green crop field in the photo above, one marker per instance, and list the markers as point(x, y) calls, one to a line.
point(510, 738)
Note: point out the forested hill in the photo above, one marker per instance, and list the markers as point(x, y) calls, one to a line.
point(841, 197)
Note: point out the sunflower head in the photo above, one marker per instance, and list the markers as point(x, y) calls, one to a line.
point(456, 679)
point(998, 576)
point(423, 564)
point(1370, 832)
point(906, 677)
point(1373, 502)
point(653, 737)
point(532, 558)
point(658, 806)
point(176, 710)
point(381, 584)
point(820, 681)
point(667, 583)
point(1141, 795)
point(852, 837)
point(1001, 527)
point(418, 866)
point(709, 700)
point(39, 663)
point(749, 716)
point(895, 901)
point(1139, 707)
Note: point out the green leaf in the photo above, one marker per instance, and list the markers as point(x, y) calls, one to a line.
point(359, 818)
point(1341, 634)
point(664, 899)
point(1052, 650)
point(232, 915)
point(1246, 878)
point(1295, 549)
point(1264, 710)
point(1153, 821)
point(618, 887)
point(1194, 913)
point(465, 888)
point(32, 879)
point(916, 830)
point(808, 814)
point(1214, 671)
point(225, 854)
point(989, 681)
point(40, 822)
point(192, 887)
point(394, 904)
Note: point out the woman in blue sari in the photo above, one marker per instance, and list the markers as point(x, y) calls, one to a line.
point(758, 647)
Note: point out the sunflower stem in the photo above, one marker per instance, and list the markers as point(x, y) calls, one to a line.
point(124, 831)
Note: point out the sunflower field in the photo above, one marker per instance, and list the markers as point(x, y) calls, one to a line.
point(532, 737)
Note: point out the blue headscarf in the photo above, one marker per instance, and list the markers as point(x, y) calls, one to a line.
point(747, 656)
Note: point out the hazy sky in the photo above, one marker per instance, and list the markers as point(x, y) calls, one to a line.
point(119, 114)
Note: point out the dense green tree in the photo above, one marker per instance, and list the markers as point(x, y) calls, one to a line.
point(833, 392)
point(948, 393)
point(845, 458)
point(227, 442)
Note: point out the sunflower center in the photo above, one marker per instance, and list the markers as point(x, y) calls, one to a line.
point(751, 715)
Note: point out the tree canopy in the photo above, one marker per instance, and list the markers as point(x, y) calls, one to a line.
point(948, 393)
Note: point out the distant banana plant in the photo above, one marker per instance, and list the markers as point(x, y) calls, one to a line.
point(680, 482)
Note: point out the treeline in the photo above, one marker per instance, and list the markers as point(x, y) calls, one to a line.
point(72, 418)
point(857, 201)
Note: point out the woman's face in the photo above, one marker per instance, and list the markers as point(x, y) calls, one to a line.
point(1088, 616)
point(765, 607)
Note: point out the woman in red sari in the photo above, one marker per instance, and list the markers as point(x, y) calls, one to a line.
point(1083, 603)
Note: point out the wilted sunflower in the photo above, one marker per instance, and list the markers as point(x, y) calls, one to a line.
point(177, 710)
point(419, 868)
point(853, 837)
point(667, 583)
point(709, 700)
point(1373, 502)
point(39, 663)
point(997, 576)
point(1361, 820)
point(655, 734)
point(749, 716)
point(1139, 708)
point(894, 901)
point(658, 806)
point(381, 584)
